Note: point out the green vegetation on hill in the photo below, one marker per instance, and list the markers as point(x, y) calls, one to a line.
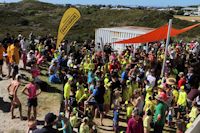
point(43, 18)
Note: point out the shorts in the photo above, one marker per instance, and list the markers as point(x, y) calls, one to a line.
point(181, 109)
point(169, 118)
point(1, 62)
point(94, 103)
point(115, 124)
point(100, 107)
point(32, 102)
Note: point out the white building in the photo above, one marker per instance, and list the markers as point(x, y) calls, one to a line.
point(191, 11)
point(198, 10)
point(110, 35)
point(120, 8)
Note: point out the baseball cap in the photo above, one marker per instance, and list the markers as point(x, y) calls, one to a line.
point(50, 118)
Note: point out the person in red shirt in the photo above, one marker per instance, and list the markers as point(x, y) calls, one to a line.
point(114, 66)
point(182, 80)
point(135, 124)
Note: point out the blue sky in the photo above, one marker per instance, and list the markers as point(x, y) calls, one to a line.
point(124, 2)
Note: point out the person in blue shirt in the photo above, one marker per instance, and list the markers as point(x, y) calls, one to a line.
point(116, 120)
point(124, 75)
point(98, 95)
point(90, 77)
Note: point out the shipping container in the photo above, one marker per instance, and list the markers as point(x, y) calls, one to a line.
point(104, 36)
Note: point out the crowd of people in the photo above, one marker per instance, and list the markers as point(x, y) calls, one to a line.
point(99, 81)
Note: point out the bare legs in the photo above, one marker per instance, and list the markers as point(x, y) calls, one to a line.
point(12, 110)
point(34, 112)
point(29, 113)
point(1, 73)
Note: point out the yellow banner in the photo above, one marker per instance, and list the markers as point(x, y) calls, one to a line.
point(70, 17)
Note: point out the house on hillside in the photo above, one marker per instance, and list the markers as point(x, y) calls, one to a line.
point(106, 7)
point(191, 11)
point(120, 8)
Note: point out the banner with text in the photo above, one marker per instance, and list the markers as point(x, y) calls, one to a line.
point(70, 17)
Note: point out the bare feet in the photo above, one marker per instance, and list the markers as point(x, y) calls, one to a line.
point(13, 117)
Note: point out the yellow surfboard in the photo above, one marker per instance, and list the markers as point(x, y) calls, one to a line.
point(70, 17)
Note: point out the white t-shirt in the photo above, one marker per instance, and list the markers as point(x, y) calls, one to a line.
point(152, 80)
point(30, 57)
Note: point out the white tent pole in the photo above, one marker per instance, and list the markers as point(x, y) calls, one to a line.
point(166, 47)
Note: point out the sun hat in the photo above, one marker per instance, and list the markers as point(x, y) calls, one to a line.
point(180, 74)
point(70, 79)
point(85, 119)
point(171, 81)
point(128, 82)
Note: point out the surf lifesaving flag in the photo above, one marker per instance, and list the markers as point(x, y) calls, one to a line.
point(70, 17)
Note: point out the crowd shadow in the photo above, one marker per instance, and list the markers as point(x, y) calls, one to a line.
point(45, 87)
point(4, 106)
point(121, 128)
point(43, 68)
point(104, 128)
point(120, 119)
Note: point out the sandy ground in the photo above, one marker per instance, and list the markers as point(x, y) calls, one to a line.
point(47, 102)
point(188, 18)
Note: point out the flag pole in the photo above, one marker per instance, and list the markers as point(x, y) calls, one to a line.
point(166, 47)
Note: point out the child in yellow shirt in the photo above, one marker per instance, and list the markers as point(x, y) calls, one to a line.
point(107, 95)
point(84, 96)
point(79, 93)
point(129, 109)
point(127, 89)
point(175, 94)
point(149, 105)
point(147, 121)
point(182, 101)
point(194, 111)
